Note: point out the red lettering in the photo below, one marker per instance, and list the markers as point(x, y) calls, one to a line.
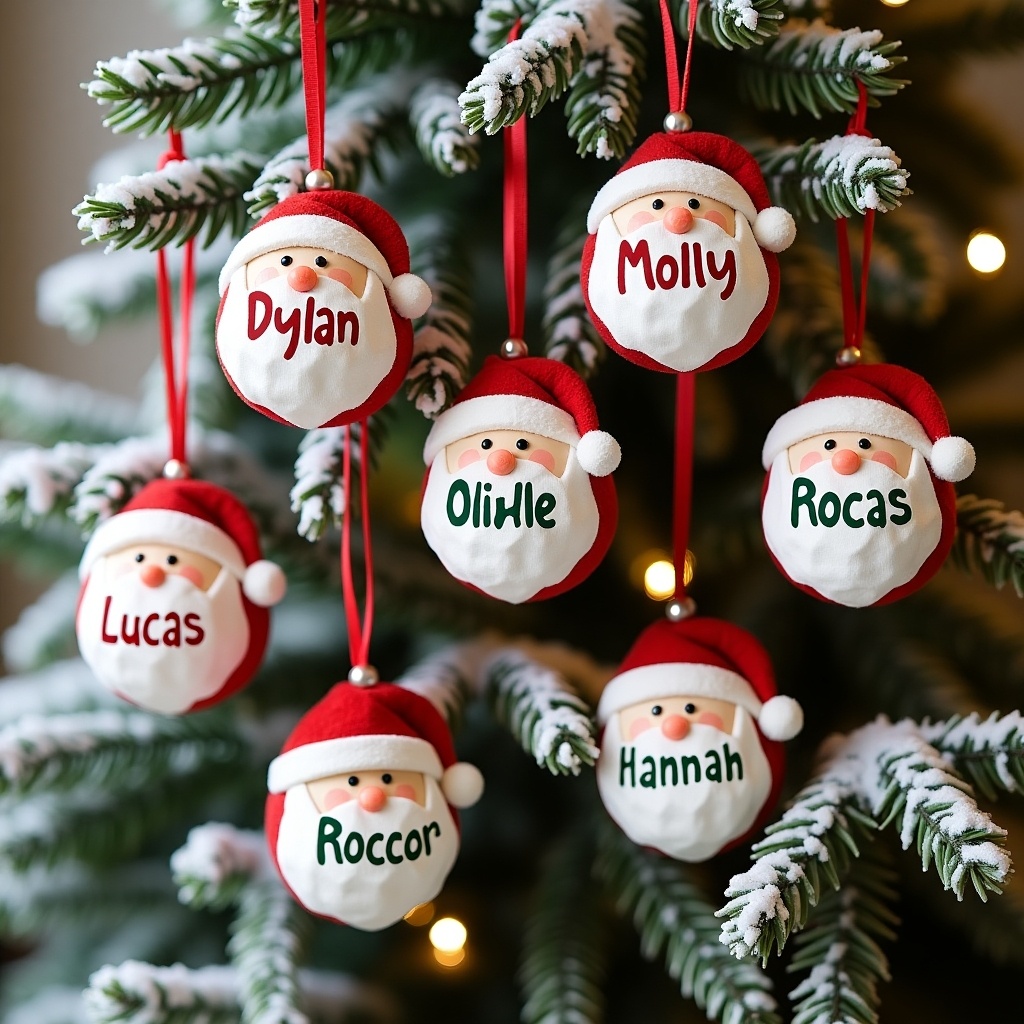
point(348, 322)
point(193, 622)
point(667, 271)
point(324, 334)
point(292, 324)
point(641, 254)
point(684, 265)
point(150, 619)
point(108, 638)
point(172, 635)
point(133, 637)
point(307, 327)
point(256, 331)
point(728, 271)
point(698, 267)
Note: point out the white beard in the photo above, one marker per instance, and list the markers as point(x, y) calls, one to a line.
point(317, 381)
point(690, 822)
point(853, 566)
point(357, 892)
point(162, 677)
point(514, 562)
point(681, 328)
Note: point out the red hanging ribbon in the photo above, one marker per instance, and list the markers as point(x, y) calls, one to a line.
point(683, 483)
point(358, 632)
point(176, 380)
point(515, 219)
point(668, 30)
point(313, 35)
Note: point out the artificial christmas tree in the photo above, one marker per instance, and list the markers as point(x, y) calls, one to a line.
point(114, 817)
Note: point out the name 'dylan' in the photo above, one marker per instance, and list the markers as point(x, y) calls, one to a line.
point(334, 325)
point(378, 850)
point(683, 770)
point(464, 506)
point(688, 271)
point(830, 508)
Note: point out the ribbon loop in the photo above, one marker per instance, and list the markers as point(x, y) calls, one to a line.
point(313, 38)
point(514, 227)
point(678, 94)
point(359, 632)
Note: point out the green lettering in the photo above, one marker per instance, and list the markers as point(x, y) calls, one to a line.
point(377, 837)
point(627, 764)
point(730, 760)
point(487, 505)
point(411, 852)
point(876, 514)
point(803, 494)
point(666, 763)
point(904, 514)
point(513, 511)
point(389, 850)
point(688, 763)
point(476, 506)
point(545, 505)
point(713, 771)
point(852, 498)
point(528, 504)
point(330, 829)
point(426, 835)
point(459, 488)
point(649, 778)
point(357, 856)
point(830, 500)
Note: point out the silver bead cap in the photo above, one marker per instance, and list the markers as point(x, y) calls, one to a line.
point(319, 180)
point(676, 611)
point(363, 675)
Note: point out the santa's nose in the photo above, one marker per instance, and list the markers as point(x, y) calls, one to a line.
point(302, 279)
point(152, 575)
point(678, 220)
point(501, 462)
point(675, 727)
point(372, 798)
point(846, 461)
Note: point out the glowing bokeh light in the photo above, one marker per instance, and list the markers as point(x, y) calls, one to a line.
point(985, 252)
point(448, 935)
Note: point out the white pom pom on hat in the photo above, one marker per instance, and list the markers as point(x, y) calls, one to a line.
point(774, 229)
point(952, 458)
point(462, 784)
point(264, 583)
point(410, 295)
point(780, 718)
point(598, 453)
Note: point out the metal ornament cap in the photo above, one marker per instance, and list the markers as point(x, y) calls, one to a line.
point(363, 675)
point(677, 121)
point(676, 611)
point(514, 348)
point(175, 469)
point(319, 180)
point(849, 355)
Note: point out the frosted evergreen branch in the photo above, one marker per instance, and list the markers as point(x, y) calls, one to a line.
point(989, 753)
point(990, 541)
point(569, 335)
point(809, 848)
point(267, 940)
point(729, 23)
point(446, 678)
point(435, 118)
point(844, 176)
point(139, 993)
point(672, 915)
point(441, 351)
point(38, 482)
point(216, 863)
point(841, 951)
point(494, 19)
point(42, 409)
point(63, 687)
point(523, 75)
point(45, 630)
point(354, 129)
point(604, 99)
point(814, 67)
point(551, 723)
point(280, 17)
point(172, 205)
point(565, 944)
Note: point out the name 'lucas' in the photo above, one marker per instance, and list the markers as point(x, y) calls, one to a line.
point(683, 770)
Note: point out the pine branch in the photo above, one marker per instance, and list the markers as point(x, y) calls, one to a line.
point(523, 75)
point(569, 335)
point(990, 541)
point(267, 939)
point(841, 949)
point(140, 993)
point(280, 17)
point(446, 678)
point(45, 630)
point(565, 944)
point(61, 688)
point(216, 863)
point(172, 205)
point(810, 847)
point(843, 176)
point(38, 482)
point(729, 23)
point(988, 753)
point(817, 68)
point(435, 118)
point(540, 709)
point(671, 914)
point(494, 20)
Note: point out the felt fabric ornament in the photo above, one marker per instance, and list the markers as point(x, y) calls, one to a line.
point(691, 758)
point(858, 507)
point(314, 327)
point(172, 615)
point(360, 819)
point(518, 501)
point(679, 271)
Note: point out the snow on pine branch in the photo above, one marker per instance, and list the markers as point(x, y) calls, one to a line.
point(817, 68)
point(990, 540)
point(61, 688)
point(45, 630)
point(539, 707)
point(988, 752)
point(844, 176)
point(729, 23)
point(447, 678)
point(436, 122)
point(215, 863)
point(280, 17)
point(494, 20)
point(172, 205)
point(37, 482)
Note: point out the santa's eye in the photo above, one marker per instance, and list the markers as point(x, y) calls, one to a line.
point(321, 261)
point(693, 204)
point(386, 778)
point(658, 204)
point(864, 443)
point(486, 443)
point(140, 557)
point(656, 710)
point(353, 780)
point(690, 708)
point(286, 261)
point(522, 444)
point(172, 559)
point(830, 444)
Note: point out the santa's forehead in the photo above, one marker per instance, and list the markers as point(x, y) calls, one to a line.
point(846, 434)
point(481, 435)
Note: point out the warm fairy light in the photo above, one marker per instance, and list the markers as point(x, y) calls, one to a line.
point(448, 935)
point(420, 915)
point(985, 252)
point(449, 959)
point(894, 3)
point(660, 580)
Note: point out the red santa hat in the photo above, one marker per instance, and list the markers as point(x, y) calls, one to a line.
point(342, 222)
point(542, 396)
point(198, 516)
point(707, 164)
point(882, 399)
point(367, 728)
point(702, 657)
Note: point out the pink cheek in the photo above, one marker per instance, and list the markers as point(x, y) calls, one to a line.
point(405, 791)
point(192, 574)
point(341, 276)
point(639, 726)
point(714, 217)
point(709, 718)
point(885, 458)
point(810, 459)
point(543, 458)
point(336, 797)
point(266, 274)
point(470, 455)
point(638, 220)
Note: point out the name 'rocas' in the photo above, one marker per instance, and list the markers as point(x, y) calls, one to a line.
point(523, 508)
point(392, 850)
point(685, 272)
point(683, 770)
point(334, 325)
point(831, 508)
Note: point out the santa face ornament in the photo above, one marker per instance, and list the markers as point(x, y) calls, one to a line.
point(313, 328)
point(858, 507)
point(679, 272)
point(172, 614)
point(358, 819)
point(690, 758)
point(518, 501)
